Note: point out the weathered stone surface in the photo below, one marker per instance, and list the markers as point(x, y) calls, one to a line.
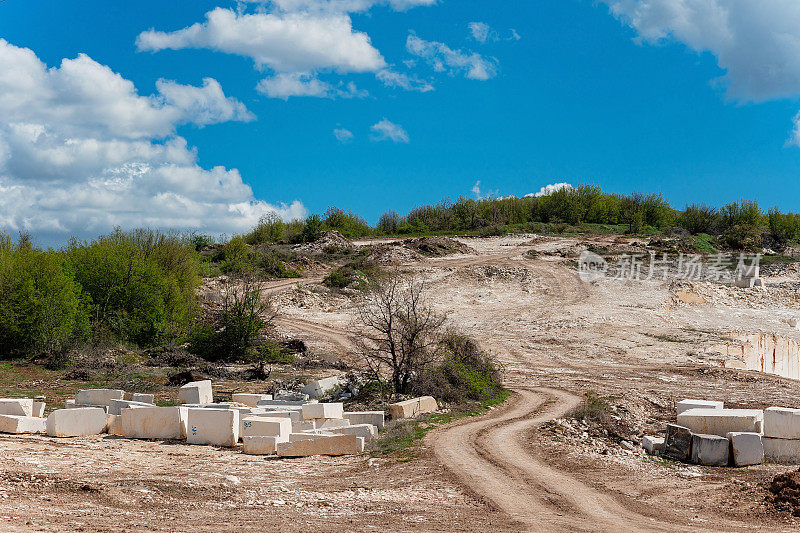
point(322, 445)
point(781, 451)
point(154, 423)
point(258, 426)
point(678, 442)
point(142, 397)
point(322, 410)
point(746, 448)
point(284, 404)
point(117, 406)
point(376, 418)
point(114, 425)
point(199, 392)
point(413, 408)
point(782, 423)
point(310, 435)
point(710, 450)
point(38, 409)
point(215, 427)
point(653, 445)
point(685, 405)
point(330, 423)
point(22, 424)
point(250, 399)
point(76, 422)
point(16, 406)
point(318, 389)
point(366, 431)
point(259, 445)
point(720, 422)
point(69, 404)
point(98, 397)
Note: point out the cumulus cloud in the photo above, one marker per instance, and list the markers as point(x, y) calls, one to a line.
point(756, 43)
point(287, 42)
point(343, 135)
point(389, 131)
point(444, 59)
point(81, 152)
point(203, 105)
point(547, 190)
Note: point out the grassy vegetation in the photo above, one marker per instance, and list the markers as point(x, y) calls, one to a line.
point(400, 438)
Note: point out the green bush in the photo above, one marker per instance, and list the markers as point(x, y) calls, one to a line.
point(234, 257)
point(270, 228)
point(388, 223)
point(466, 374)
point(42, 307)
point(140, 285)
point(348, 224)
point(231, 333)
point(698, 218)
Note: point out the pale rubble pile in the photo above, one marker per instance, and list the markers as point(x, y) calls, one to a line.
point(291, 424)
point(706, 433)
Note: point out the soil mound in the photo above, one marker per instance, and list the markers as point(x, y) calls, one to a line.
point(328, 242)
point(784, 493)
point(438, 246)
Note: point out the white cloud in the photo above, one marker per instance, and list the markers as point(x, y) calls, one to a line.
point(284, 85)
point(81, 152)
point(344, 6)
point(289, 42)
point(481, 32)
point(444, 59)
point(343, 135)
point(757, 43)
point(392, 78)
point(547, 190)
point(204, 105)
point(389, 131)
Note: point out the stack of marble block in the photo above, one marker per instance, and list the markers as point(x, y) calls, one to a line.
point(22, 415)
point(708, 434)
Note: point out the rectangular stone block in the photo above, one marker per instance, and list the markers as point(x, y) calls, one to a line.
point(142, 397)
point(77, 422)
point(310, 435)
point(22, 424)
point(782, 423)
point(215, 427)
point(159, 423)
point(117, 406)
point(322, 410)
point(781, 451)
point(38, 409)
point(710, 450)
point(685, 405)
point(257, 426)
point(255, 445)
point(98, 397)
point(196, 392)
point(322, 445)
point(376, 418)
point(114, 425)
point(413, 408)
point(746, 448)
point(284, 404)
point(653, 445)
point(366, 431)
point(678, 442)
point(318, 389)
point(250, 399)
point(330, 423)
point(303, 425)
point(16, 406)
point(69, 404)
point(720, 422)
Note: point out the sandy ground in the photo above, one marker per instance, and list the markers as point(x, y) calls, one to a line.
point(641, 345)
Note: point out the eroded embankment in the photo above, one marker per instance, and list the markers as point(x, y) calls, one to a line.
point(764, 352)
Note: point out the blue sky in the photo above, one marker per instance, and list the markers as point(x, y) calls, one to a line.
point(696, 99)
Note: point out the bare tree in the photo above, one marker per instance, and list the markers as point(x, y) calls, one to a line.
point(400, 330)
